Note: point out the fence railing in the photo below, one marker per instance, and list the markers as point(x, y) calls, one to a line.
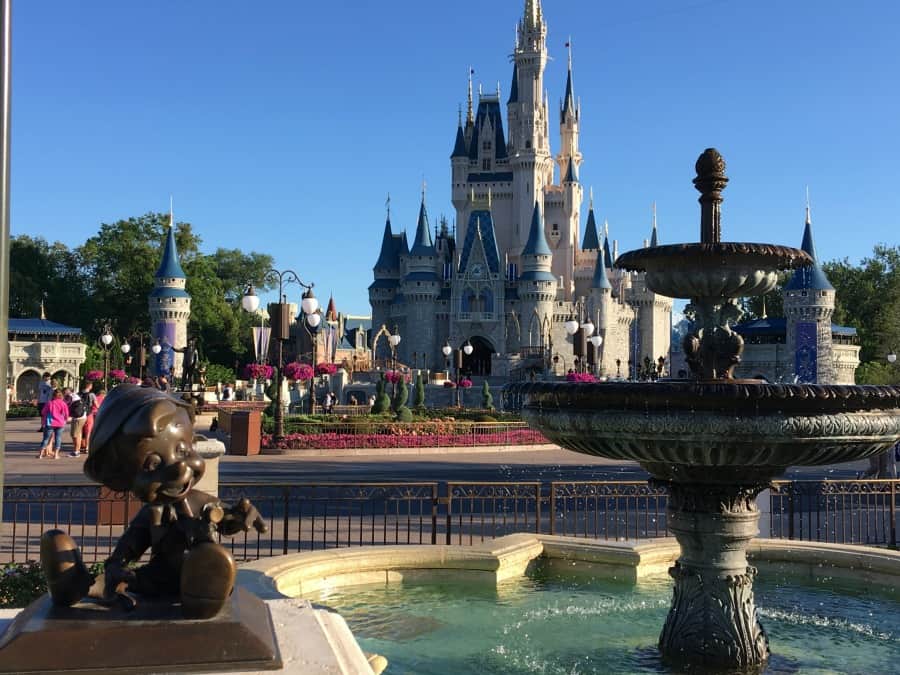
point(312, 516)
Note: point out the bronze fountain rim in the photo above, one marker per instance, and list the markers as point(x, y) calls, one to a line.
point(726, 396)
point(771, 255)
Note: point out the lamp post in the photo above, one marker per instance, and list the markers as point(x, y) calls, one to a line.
point(394, 341)
point(142, 351)
point(280, 320)
point(446, 350)
point(892, 357)
point(597, 341)
point(106, 340)
point(467, 349)
point(312, 323)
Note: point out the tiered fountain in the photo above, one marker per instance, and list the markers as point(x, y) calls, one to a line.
point(715, 441)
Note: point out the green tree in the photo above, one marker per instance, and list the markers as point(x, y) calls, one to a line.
point(382, 400)
point(402, 394)
point(49, 272)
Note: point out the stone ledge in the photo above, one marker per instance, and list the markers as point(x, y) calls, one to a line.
point(369, 452)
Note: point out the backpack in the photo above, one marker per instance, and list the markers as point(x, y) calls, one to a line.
point(76, 409)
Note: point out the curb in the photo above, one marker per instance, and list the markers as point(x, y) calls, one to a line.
point(382, 452)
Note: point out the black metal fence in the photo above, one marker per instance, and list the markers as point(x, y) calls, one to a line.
point(310, 516)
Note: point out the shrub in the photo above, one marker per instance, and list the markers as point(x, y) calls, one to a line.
point(219, 373)
point(21, 410)
point(404, 414)
point(419, 392)
point(23, 583)
point(402, 395)
point(485, 418)
point(487, 400)
point(382, 400)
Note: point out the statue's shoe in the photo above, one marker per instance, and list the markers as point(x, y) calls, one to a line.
point(207, 578)
point(67, 576)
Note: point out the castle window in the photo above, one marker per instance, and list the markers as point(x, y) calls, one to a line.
point(486, 164)
point(486, 145)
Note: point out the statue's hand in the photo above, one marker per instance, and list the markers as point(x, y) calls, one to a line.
point(246, 516)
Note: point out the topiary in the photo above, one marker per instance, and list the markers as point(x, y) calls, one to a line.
point(420, 392)
point(484, 418)
point(404, 414)
point(402, 395)
point(382, 400)
point(487, 401)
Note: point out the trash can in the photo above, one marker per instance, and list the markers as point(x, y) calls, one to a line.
point(245, 432)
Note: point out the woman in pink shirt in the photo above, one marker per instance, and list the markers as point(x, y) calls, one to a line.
point(54, 416)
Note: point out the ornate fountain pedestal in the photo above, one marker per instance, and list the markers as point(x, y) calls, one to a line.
point(714, 441)
point(712, 622)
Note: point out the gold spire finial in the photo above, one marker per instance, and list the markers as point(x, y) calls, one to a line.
point(424, 187)
point(654, 215)
point(490, 197)
point(387, 205)
point(569, 47)
point(808, 219)
point(470, 115)
point(592, 198)
point(43, 314)
point(171, 211)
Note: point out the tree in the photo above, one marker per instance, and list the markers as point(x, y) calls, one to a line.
point(382, 400)
point(49, 272)
point(402, 394)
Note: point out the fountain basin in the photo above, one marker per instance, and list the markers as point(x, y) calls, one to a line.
point(433, 609)
point(712, 270)
point(713, 431)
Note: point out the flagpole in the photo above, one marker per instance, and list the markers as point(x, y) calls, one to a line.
point(5, 87)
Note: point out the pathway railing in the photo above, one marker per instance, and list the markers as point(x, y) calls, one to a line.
point(312, 516)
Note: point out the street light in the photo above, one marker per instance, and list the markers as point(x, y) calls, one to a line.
point(106, 340)
point(280, 321)
point(447, 350)
point(571, 326)
point(597, 340)
point(892, 357)
point(394, 341)
point(142, 353)
point(468, 348)
point(313, 321)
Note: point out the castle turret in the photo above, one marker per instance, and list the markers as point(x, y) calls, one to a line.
point(808, 307)
point(170, 307)
point(383, 291)
point(421, 286)
point(537, 285)
point(569, 126)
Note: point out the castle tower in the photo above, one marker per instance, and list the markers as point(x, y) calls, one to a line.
point(421, 286)
point(569, 127)
point(170, 308)
point(808, 307)
point(652, 332)
point(537, 285)
point(529, 125)
point(383, 291)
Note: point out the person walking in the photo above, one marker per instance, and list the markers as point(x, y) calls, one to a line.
point(90, 404)
point(78, 417)
point(45, 393)
point(54, 416)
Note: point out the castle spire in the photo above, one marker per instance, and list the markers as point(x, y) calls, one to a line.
point(808, 219)
point(537, 240)
point(654, 238)
point(568, 107)
point(514, 87)
point(170, 266)
point(601, 279)
point(422, 244)
point(470, 113)
point(591, 239)
point(533, 13)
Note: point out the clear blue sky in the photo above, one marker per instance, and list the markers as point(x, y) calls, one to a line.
point(280, 126)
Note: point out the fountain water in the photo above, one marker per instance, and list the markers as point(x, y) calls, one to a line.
point(715, 441)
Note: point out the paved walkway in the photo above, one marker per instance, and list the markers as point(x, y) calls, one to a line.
point(22, 439)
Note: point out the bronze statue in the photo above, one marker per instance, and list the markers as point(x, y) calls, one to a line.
point(142, 443)
point(189, 363)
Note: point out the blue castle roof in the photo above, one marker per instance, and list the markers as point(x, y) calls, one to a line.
point(40, 327)
point(170, 267)
point(607, 256)
point(489, 110)
point(169, 292)
point(514, 87)
point(537, 240)
point(392, 246)
point(810, 278)
point(422, 244)
point(481, 222)
point(601, 279)
point(459, 148)
point(569, 99)
point(591, 239)
point(571, 172)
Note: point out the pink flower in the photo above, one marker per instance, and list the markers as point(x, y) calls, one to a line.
point(580, 377)
point(118, 375)
point(298, 371)
point(448, 384)
point(258, 371)
point(134, 380)
point(94, 375)
point(465, 383)
point(326, 369)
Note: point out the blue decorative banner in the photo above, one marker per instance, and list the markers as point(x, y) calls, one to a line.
point(806, 354)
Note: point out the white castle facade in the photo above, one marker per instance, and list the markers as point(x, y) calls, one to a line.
point(518, 265)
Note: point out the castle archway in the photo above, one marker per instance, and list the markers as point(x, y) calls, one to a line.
point(479, 361)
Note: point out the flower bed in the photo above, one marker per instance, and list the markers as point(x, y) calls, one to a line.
point(472, 435)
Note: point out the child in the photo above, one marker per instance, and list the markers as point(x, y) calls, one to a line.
point(54, 416)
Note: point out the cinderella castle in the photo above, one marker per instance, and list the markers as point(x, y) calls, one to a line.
point(518, 266)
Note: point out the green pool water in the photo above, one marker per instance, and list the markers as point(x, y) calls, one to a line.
point(550, 624)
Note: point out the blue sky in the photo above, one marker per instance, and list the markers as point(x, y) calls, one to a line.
point(280, 126)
